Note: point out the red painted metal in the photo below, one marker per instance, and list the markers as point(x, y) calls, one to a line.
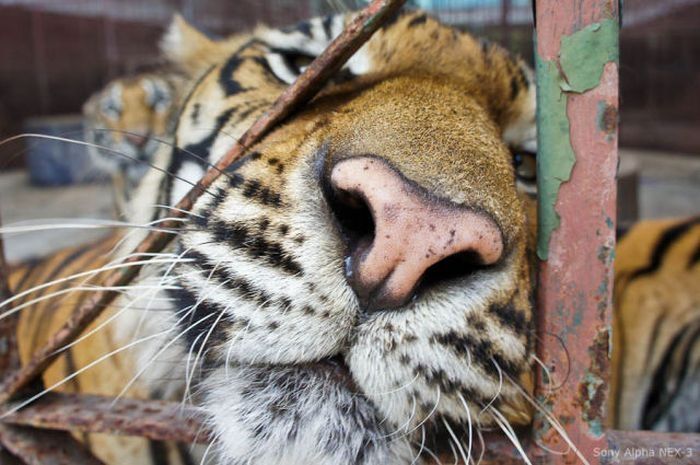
point(575, 283)
point(153, 419)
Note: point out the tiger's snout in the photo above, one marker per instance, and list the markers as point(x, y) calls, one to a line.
point(400, 237)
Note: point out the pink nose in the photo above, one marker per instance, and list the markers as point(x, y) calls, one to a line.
point(413, 232)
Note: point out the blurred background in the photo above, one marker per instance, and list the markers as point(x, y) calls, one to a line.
point(55, 53)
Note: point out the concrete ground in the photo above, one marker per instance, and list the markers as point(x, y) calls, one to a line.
point(669, 186)
point(23, 205)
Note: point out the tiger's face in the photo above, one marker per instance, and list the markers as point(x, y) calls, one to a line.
point(127, 118)
point(358, 284)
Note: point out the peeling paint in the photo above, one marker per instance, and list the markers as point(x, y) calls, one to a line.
point(584, 53)
point(553, 139)
point(582, 58)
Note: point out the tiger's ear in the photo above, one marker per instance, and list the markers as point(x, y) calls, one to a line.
point(186, 47)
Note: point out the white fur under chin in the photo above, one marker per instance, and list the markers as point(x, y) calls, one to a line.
point(296, 416)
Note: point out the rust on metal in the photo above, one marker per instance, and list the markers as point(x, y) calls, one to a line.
point(37, 447)
point(577, 119)
point(365, 23)
point(153, 419)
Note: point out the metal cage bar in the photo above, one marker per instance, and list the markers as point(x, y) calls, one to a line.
point(577, 113)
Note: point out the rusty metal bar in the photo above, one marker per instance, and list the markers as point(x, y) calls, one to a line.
point(153, 419)
point(577, 100)
point(37, 447)
point(304, 88)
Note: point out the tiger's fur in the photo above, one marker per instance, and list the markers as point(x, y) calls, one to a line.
point(258, 323)
point(656, 356)
point(44, 317)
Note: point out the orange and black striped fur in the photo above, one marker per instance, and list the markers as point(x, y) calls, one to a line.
point(42, 319)
point(656, 356)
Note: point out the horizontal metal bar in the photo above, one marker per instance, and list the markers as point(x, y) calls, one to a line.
point(152, 419)
point(36, 447)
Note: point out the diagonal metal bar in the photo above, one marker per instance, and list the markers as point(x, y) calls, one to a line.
point(153, 419)
point(37, 447)
point(305, 87)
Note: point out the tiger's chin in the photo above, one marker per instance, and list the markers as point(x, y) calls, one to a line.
point(297, 415)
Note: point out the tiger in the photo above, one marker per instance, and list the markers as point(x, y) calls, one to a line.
point(127, 121)
point(359, 287)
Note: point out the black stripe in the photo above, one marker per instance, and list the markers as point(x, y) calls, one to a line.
point(196, 327)
point(183, 451)
point(30, 268)
point(226, 80)
point(202, 148)
point(418, 20)
point(328, 26)
point(240, 237)
point(651, 348)
point(694, 258)
point(262, 61)
point(286, 56)
point(234, 282)
point(439, 378)
point(159, 452)
point(305, 28)
point(480, 350)
point(660, 399)
point(510, 317)
point(60, 267)
point(667, 239)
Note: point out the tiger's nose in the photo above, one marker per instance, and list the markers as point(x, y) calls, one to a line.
point(399, 235)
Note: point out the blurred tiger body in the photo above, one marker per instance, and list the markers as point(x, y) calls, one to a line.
point(656, 356)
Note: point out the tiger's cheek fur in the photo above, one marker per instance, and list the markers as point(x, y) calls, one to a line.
point(270, 262)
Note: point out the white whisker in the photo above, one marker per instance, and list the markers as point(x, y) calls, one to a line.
point(456, 440)
point(509, 432)
point(89, 273)
point(77, 372)
point(469, 424)
point(500, 387)
point(77, 289)
point(552, 421)
point(163, 349)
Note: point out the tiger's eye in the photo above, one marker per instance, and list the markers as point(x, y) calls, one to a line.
point(525, 166)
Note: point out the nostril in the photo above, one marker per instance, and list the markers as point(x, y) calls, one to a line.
point(455, 266)
point(353, 216)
